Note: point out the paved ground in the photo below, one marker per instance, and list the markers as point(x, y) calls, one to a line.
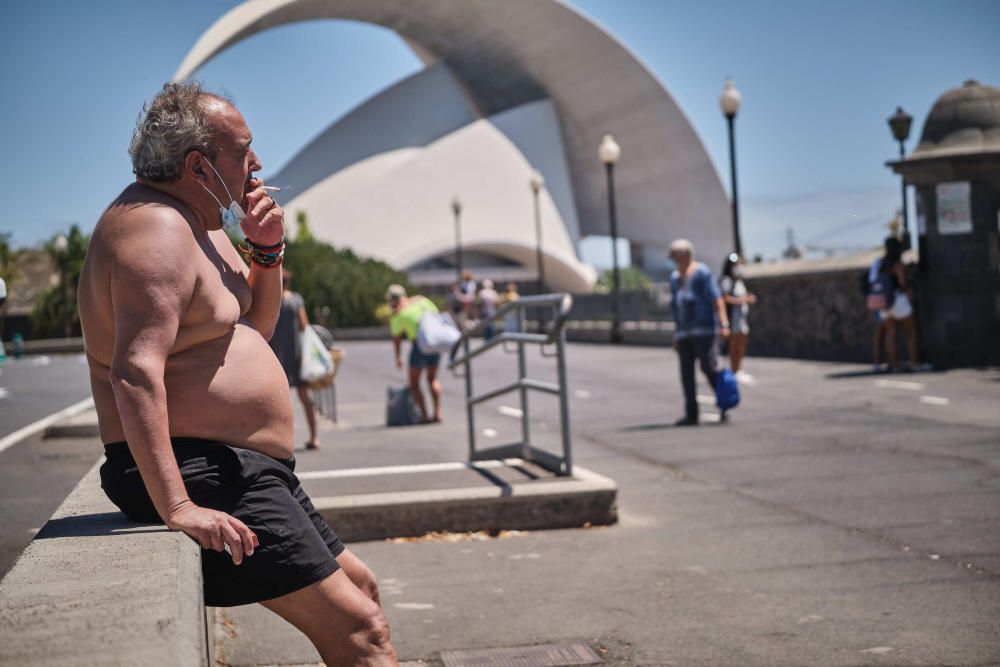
point(839, 519)
point(36, 474)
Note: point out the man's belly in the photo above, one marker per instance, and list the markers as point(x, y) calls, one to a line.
point(231, 390)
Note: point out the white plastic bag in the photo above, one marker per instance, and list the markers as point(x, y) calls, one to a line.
point(437, 333)
point(317, 364)
point(901, 307)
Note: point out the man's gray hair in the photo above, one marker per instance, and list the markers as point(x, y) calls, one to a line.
point(170, 126)
point(682, 246)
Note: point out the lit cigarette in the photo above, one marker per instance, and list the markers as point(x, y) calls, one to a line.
point(271, 188)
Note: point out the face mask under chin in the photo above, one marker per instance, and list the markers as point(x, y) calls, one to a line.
point(231, 215)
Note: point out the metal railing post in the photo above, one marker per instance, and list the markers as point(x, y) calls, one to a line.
point(469, 405)
point(564, 402)
point(522, 373)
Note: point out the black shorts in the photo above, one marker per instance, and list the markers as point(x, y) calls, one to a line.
point(297, 547)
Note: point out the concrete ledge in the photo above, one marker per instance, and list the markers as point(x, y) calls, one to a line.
point(83, 425)
point(560, 502)
point(96, 589)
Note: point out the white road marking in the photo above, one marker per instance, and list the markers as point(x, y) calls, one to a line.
point(42, 360)
point(508, 411)
point(582, 393)
point(43, 423)
point(704, 399)
point(711, 416)
point(404, 469)
point(899, 384)
point(879, 650)
point(413, 606)
point(490, 432)
point(4, 393)
point(935, 400)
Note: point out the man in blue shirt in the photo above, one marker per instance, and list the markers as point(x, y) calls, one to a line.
point(699, 316)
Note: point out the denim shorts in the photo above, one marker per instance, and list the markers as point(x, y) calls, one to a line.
point(420, 360)
point(297, 547)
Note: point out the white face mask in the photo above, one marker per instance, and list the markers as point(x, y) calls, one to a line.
point(234, 214)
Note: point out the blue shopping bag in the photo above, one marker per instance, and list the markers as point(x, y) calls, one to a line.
point(727, 391)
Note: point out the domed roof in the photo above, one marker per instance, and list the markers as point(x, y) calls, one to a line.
point(965, 120)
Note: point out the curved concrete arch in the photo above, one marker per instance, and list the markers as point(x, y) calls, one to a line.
point(507, 54)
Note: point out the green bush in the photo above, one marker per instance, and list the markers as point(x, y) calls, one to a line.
point(632, 279)
point(351, 287)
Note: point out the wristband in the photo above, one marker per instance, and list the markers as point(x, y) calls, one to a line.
point(267, 257)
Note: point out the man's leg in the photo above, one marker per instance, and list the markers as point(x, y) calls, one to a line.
point(360, 575)
point(435, 385)
point(708, 356)
point(686, 357)
point(418, 395)
point(344, 624)
point(310, 409)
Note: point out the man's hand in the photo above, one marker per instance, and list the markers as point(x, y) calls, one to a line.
point(214, 530)
point(264, 224)
point(724, 332)
point(752, 299)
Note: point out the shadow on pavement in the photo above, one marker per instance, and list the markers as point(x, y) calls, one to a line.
point(95, 525)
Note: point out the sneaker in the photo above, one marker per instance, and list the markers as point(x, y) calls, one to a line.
point(686, 421)
point(744, 378)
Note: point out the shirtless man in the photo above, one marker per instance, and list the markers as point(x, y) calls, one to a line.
point(193, 406)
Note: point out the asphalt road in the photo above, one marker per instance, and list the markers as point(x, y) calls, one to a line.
point(37, 474)
point(839, 519)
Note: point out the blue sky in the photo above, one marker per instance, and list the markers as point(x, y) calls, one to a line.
point(818, 80)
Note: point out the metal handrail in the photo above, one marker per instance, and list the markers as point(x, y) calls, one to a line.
point(555, 334)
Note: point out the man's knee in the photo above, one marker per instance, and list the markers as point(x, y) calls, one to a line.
point(373, 637)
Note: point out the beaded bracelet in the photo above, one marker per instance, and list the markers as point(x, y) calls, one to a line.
point(265, 256)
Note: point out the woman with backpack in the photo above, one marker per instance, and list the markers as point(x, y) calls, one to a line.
point(890, 295)
point(738, 301)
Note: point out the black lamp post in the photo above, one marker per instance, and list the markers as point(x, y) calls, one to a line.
point(456, 208)
point(730, 103)
point(609, 151)
point(537, 182)
point(899, 123)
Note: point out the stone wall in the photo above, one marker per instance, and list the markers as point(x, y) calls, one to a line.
point(811, 310)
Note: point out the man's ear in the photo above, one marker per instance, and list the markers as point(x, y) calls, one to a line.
point(194, 166)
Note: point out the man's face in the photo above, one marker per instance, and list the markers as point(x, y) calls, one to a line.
point(235, 160)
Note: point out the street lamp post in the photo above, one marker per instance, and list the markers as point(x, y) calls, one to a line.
point(61, 245)
point(730, 103)
point(609, 151)
point(899, 123)
point(537, 182)
point(456, 208)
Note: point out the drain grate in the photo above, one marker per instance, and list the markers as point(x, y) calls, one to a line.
point(543, 655)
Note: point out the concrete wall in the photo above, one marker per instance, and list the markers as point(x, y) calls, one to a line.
point(811, 310)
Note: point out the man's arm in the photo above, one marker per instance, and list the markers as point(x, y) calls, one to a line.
point(151, 285)
point(264, 225)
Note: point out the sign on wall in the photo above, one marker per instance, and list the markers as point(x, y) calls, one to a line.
point(954, 208)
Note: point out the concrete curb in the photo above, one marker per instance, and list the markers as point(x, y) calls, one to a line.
point(585, 498)
point(83, 425)
point(96, 589)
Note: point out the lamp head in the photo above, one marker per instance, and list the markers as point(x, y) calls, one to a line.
point(456, 205)
point(609, 151)
point(730, 99)
point(899, 123)
point(537, 181)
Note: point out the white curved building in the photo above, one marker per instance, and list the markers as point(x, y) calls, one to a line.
point(508, 86)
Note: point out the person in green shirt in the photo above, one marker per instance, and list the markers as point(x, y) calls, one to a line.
point(407, 313)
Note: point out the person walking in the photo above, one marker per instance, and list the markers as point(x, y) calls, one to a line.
point(287, 345)
point(699, 316)
point(488, 300)
point(738, 301)
point(405, 321)
point(510, 320)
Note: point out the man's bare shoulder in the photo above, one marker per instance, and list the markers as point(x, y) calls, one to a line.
point(142, 228)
